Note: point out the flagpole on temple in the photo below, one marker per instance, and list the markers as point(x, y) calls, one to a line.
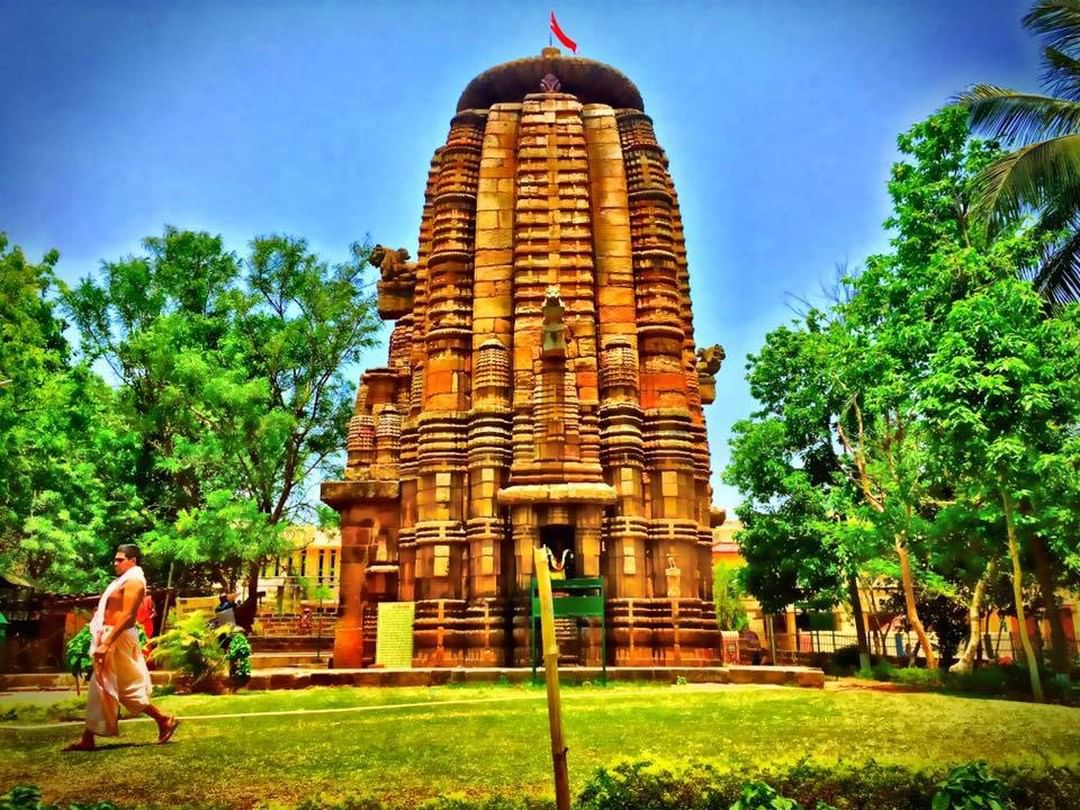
point(553, 26)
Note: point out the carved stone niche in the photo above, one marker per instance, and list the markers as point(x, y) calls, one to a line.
point(554, 343)
point(398, 281)
point(709, 361)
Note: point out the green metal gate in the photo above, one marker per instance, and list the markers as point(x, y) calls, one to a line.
point(573, 599)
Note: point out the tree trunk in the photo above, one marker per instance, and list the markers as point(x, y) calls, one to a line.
point(880, 637)
point(909, 601)
point(772, 640)
point(253, 582)
point(975, 619)
point(860, 626)
point(1045, 575)
point(914, 653)
point(1018, 595)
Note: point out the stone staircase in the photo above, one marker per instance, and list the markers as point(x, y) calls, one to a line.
point(307, 659)
point(569, 638)
point(290, 625)
point(282, 642)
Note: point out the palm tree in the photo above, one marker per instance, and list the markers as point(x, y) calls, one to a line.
point(1042, 175)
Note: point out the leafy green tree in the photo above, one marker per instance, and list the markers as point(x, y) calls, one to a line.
point(727, 596)
point(785, 462)
point(1004, 397)
point(780, 461)
point(891, 483)
point(1042, 173)
point(943, 614)
point(66, 499)
point(894, 320)
point(230, 372)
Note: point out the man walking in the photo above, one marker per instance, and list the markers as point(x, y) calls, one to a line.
point(120, 676)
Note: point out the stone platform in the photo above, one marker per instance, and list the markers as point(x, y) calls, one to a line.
point(300, 678)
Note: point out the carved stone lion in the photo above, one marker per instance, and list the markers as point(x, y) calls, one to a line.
point(709, 360)
point(391, 263)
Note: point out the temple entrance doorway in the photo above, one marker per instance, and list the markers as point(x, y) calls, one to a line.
point(560, 539)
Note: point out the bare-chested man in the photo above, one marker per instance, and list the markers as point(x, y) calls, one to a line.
point(120, 676)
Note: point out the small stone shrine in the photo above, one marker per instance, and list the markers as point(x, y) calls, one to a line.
point(543, 388)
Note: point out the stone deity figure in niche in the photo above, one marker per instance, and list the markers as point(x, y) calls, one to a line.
point(554, 342)
point(674, 577)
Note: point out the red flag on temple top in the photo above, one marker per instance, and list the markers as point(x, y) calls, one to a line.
point(563, 38)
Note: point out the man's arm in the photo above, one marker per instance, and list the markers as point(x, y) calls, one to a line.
point(131, 596)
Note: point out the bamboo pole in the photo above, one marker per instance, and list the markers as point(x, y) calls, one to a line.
point(165, 604)
point(551, 676)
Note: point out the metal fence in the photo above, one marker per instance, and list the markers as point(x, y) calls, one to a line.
point(1003, 647)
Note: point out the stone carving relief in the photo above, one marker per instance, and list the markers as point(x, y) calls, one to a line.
point(709, 361)
point(554, 343)
point(398, 280)
point(393, 264)
point(673, 574)
point(550, 83)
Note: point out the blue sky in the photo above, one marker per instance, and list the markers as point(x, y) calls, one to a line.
point(319, 119)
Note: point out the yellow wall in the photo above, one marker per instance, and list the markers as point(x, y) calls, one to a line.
point(316, 557)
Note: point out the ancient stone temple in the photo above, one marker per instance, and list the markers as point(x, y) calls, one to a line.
point(543, 387)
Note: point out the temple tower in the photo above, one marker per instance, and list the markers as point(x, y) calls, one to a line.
point(543, 386)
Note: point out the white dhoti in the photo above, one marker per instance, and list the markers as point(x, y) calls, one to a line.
point(121, 679)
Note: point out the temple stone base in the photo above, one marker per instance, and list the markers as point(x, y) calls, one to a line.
point(493, 632)
point(805, 677)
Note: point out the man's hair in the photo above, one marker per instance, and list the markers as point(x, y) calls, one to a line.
point(130, 551)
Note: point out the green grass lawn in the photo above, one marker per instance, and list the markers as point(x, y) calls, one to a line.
point(501, 746)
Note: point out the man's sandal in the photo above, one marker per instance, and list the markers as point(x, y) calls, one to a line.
point(165, 734)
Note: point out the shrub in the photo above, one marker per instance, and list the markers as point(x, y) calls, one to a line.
point(448, 801)
point(193, 646)
point(916, 676)
point(459, 801)
point(846, 659)
point(883, 671)
point(969, 787)
point(759, 796)
point(658, 786)
point(238, 654)
point(28, 797)
point(353, 803)
point(643, 785)
point(984, 680)
point(1010, 680)
point(77, 656)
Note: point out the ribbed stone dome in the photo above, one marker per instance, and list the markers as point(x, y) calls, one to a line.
point(592, 82)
